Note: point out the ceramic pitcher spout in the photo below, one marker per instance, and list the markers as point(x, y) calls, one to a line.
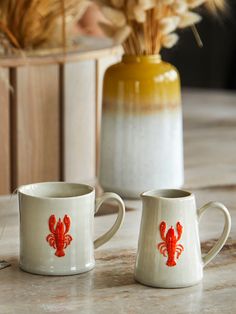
point(165, 194)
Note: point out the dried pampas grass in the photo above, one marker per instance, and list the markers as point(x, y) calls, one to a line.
point(32, 24)
point(146, 26)
point(216, 6)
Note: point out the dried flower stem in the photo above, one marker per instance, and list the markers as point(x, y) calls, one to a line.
point(197, 36)
point(9, 35)
point(63, 24)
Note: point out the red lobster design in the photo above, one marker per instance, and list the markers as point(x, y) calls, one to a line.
point(58, 238)
point(169, 246)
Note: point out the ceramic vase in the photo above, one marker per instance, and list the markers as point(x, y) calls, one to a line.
point(141, 133)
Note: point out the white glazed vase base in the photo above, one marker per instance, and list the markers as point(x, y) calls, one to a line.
point(135, 194)
point(141, 153)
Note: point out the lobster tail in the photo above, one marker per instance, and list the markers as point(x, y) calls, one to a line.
point(170, 262)
point(60, 253)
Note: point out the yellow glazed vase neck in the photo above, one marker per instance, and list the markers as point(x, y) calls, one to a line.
point(141, 85)
point(141, 58)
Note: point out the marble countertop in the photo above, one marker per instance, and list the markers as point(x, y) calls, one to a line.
point(210, 160)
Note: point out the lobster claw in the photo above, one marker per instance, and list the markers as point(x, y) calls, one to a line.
point(67, 223)
point(162, 230)
point(179, 229)
point(51, 223)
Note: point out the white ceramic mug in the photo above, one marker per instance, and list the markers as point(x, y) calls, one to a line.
point(57, 225)
point(169, 253)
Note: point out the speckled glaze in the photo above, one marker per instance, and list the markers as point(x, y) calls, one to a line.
point(172, 208)
point(37, 202)
point(141, 137)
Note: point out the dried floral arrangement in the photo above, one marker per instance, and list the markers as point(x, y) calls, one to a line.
point(146, 26)
point(33, 24)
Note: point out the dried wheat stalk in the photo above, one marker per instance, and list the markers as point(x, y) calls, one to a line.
point(146, 26)
point(30, 24)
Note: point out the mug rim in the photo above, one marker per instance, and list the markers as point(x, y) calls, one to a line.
point(90, 190)
point(156, 193)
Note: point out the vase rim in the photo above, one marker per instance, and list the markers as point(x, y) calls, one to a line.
point(141, 58)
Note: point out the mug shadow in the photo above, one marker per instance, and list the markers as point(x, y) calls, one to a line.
point(114, 269)
point(112, 278)
point(109, 274)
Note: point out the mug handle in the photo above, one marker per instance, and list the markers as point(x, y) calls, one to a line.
point(119, 220)
point(227, 226)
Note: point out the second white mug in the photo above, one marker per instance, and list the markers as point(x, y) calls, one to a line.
point(169, 253)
